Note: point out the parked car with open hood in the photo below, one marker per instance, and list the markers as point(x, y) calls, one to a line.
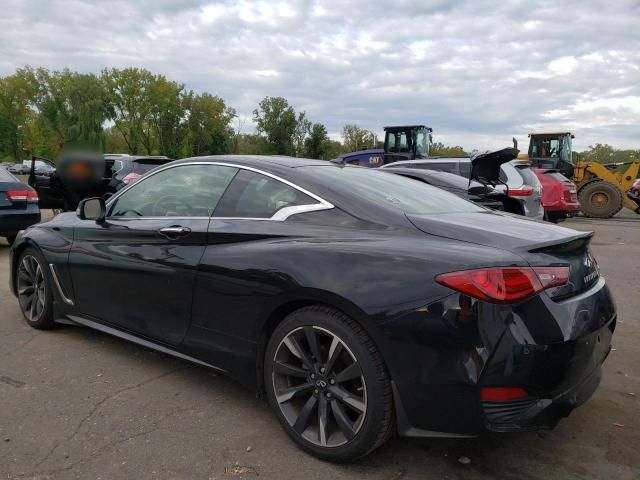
point(471, 190)
point(510, 176)
point(360, 302)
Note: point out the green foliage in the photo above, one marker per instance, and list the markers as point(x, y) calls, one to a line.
point(121, 111)
point(208, 125)
point(16, 94)
point(316, 144)
point(356, 138)
point(439, 149)
point(72, 106)
point(278, 122)
point(603, 153)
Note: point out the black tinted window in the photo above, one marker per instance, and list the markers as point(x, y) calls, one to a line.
point(390, 189)
point(182, 191)
point(253, 195)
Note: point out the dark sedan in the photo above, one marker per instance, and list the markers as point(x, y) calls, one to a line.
point(18, 205)
point(360, 302)
point(471, 190)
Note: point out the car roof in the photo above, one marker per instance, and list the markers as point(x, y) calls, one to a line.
point(262, 161)
point(452, 179)
point(430, 160)
point(132, 158)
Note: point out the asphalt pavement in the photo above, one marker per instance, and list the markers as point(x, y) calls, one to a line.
point(75, 403)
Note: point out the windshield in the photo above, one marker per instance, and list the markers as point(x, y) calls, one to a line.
point(422, 143)
point(545, 147)
point(391, 190)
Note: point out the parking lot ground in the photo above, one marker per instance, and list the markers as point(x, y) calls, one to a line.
point(75, 403)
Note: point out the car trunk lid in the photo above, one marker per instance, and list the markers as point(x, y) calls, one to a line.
point(537, 243)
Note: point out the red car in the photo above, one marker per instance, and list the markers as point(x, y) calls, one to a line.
point(559, 195)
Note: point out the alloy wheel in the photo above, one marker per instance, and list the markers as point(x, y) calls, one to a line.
point(319, 386)
point(31, 288)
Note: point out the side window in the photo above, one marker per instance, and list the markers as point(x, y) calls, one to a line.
point(465, 169)
point(181, 191)
point(404, 144)
point(253, 195)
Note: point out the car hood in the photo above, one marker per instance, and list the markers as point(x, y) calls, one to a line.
point(498, 230)
point(485, 166)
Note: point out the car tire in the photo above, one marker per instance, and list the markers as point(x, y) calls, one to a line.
point(34, 289)
point(328, 385)
point(553, 217)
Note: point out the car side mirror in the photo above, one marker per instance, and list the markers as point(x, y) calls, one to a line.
point(92, 209)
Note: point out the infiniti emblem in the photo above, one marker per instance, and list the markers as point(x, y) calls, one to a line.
point(321, 384)
point(587, 261)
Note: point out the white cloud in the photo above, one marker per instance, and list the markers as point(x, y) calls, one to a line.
point(478, 72)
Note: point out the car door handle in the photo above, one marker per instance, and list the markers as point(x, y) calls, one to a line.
point(175, 231)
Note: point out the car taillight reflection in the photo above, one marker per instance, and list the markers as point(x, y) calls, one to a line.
point(523, 191)
point(131, 178)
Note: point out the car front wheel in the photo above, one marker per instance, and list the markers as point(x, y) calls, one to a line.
point(33, 285)
point(328, 385)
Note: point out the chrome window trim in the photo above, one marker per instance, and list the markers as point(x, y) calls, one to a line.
point(280, 216)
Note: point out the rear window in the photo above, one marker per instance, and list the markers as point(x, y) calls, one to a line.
point(5, 176)
point(142, 166)
point(528, 176)
point(392, 190)
point(557, 176)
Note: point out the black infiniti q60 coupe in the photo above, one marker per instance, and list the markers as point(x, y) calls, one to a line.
point(361, 302)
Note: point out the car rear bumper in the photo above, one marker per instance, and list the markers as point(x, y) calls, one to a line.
point(12, 223)
point(552, 349)
point(568, 208)
point(544, 411)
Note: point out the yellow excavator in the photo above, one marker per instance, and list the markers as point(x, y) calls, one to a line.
point(601, 190)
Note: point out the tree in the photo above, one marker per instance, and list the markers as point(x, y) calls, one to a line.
point(278, 121)
point(73, 107)
point(129, 105)
point(316, 144)
point(168, 105)
point(356, 138)
point(332, 149)
point(303, 129)
point(16, 95)
point(209, 125)
point(440, 149)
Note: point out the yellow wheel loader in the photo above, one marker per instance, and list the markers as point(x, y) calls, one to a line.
point(602, 191)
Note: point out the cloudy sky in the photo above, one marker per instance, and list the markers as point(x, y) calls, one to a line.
point(478, 72)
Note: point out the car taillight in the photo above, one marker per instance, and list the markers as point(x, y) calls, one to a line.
point(523, 191)
point(130, 178)
point(502, 394)
point(570, 195)
point(30, 196)
point(505, 284)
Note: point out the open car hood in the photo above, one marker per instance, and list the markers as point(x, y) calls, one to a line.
point(485, 166)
